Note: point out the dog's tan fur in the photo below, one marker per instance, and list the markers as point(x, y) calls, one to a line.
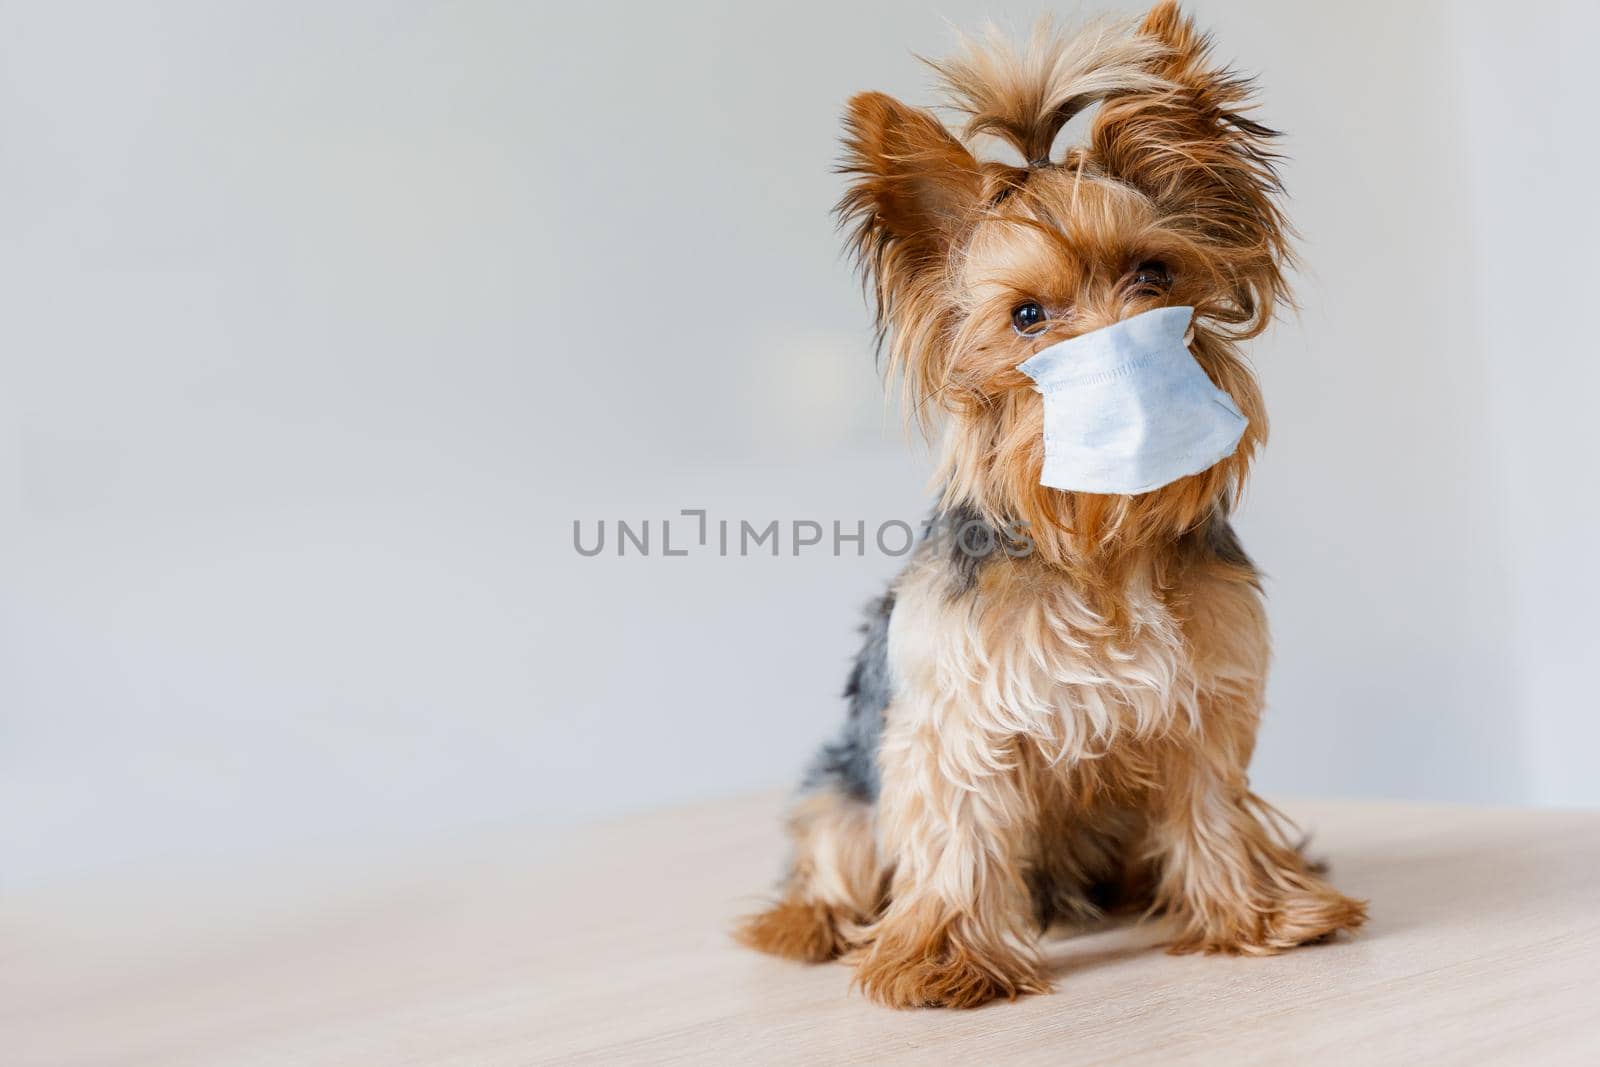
point(1085, 716)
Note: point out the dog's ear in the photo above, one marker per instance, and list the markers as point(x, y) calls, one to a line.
point(1193, 150)
point(913, 193)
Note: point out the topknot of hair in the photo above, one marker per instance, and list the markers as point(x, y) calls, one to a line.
point(1026, 95)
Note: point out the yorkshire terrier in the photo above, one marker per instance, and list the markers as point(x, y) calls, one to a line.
point(1046, 735)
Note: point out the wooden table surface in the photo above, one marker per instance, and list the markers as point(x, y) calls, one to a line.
point(609, 945)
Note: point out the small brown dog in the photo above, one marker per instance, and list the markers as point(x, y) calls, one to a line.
point(1044, 735)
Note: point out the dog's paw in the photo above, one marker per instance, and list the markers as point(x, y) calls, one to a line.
point(1314, 915)
point(938, 971)
point(794, 929)
point(1297, 916)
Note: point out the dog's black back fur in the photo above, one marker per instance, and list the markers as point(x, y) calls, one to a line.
point(850, 764)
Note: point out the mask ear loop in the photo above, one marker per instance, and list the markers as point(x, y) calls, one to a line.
point(1188, 337)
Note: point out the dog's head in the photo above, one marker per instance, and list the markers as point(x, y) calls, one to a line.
point(1170, 200)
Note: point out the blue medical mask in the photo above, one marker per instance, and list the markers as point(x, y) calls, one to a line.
point(1128, 410)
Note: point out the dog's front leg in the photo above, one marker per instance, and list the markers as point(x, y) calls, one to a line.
point(1228, 875)
point(955, 816)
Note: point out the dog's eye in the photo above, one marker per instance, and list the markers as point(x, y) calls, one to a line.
point(1152, 276)
point(1028, 319)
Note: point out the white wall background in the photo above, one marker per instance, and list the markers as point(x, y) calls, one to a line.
point(321, 324)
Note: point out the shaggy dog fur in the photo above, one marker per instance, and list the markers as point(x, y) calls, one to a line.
point(1047, 735)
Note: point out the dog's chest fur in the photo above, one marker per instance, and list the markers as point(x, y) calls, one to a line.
point(1020, 652)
